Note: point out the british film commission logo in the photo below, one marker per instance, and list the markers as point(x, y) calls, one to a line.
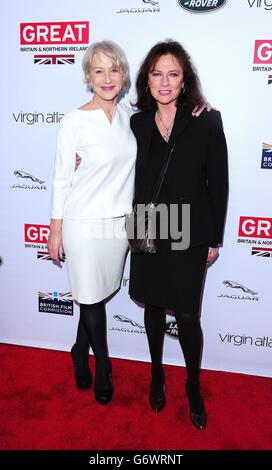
point(263, 57)
point(257, 233)
point(201, 6)
point(265, 4)
point(243, 292)
point(56, 302)
point(244, 340)
point(135, 327)
point(151, 6)
point(51, 41)
point(28, 181)
point(266, 157)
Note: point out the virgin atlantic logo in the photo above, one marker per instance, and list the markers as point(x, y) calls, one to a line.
point(265, 4)
point(201, 6)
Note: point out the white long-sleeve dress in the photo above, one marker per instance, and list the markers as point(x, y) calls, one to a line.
point(93, 200)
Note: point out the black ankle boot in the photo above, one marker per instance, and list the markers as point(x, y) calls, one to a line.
point(82, 369)
point(197, 409)
point(103, 386)
point(157, 398)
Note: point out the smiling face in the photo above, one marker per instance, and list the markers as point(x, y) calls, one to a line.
point(105, 79)
point(166, 79)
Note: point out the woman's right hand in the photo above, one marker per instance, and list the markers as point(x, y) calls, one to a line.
point(55, 246)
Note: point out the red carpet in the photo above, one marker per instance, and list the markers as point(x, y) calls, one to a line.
point(42, 409)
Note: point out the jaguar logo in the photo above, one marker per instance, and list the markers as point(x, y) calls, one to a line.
point(23, 174)
point(151, 1)
point(127, 320)
point(151, 6)
point(236, 285)
point(201, 6)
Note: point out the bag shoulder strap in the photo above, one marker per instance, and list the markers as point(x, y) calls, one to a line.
point(162, 174)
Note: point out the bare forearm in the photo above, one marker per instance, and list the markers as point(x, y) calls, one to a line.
point(55, 225)
point(55, 246)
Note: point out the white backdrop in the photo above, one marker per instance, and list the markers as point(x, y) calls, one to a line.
point(231, 48)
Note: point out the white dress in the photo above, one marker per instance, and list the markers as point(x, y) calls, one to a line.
point(93, 200)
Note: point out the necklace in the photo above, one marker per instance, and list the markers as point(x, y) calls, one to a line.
point(168, 130)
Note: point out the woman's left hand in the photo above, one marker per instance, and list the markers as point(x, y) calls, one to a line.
point(78, 161)
point(213, 254)
point(198, 110)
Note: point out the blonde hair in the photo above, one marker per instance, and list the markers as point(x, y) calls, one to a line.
point(110, 49)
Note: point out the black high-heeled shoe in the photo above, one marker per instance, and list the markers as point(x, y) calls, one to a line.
point(83, 375)
point(157, 397)
point(198, 413)
point(103, 393)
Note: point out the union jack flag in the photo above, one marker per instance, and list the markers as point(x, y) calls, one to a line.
point(269, 81)
point(43, 255)
point(56, 296)
point(54, 59)
point(264, 252)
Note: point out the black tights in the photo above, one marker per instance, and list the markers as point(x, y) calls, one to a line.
point(189, 335)
point(92, 331)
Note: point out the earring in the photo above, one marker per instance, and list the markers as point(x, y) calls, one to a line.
point(89, 85)
point(183, 89)
point(147, 89)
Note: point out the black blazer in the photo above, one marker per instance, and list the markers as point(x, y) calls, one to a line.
point(197, 173)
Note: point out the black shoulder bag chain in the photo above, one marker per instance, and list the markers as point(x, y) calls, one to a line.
point(140, 222)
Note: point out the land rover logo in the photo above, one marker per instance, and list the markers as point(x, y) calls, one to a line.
point(172, 329)
point(201, 6)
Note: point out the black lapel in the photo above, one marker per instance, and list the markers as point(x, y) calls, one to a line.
point(181, 120)
point(146, 130)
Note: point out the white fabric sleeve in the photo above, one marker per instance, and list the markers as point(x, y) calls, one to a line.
point(64, 167)
point(128, 109)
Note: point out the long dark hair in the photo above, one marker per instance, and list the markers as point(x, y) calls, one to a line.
point(192, 95)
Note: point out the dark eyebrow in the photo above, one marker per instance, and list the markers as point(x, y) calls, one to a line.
point(158, 70)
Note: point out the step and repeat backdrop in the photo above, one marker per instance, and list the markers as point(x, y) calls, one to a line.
point(230, 42)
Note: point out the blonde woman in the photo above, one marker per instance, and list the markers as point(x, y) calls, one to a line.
point(89, 206)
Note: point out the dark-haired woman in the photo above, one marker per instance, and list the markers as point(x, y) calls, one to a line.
point(168, 89)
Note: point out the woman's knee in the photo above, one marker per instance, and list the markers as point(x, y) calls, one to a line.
point(187, 318)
